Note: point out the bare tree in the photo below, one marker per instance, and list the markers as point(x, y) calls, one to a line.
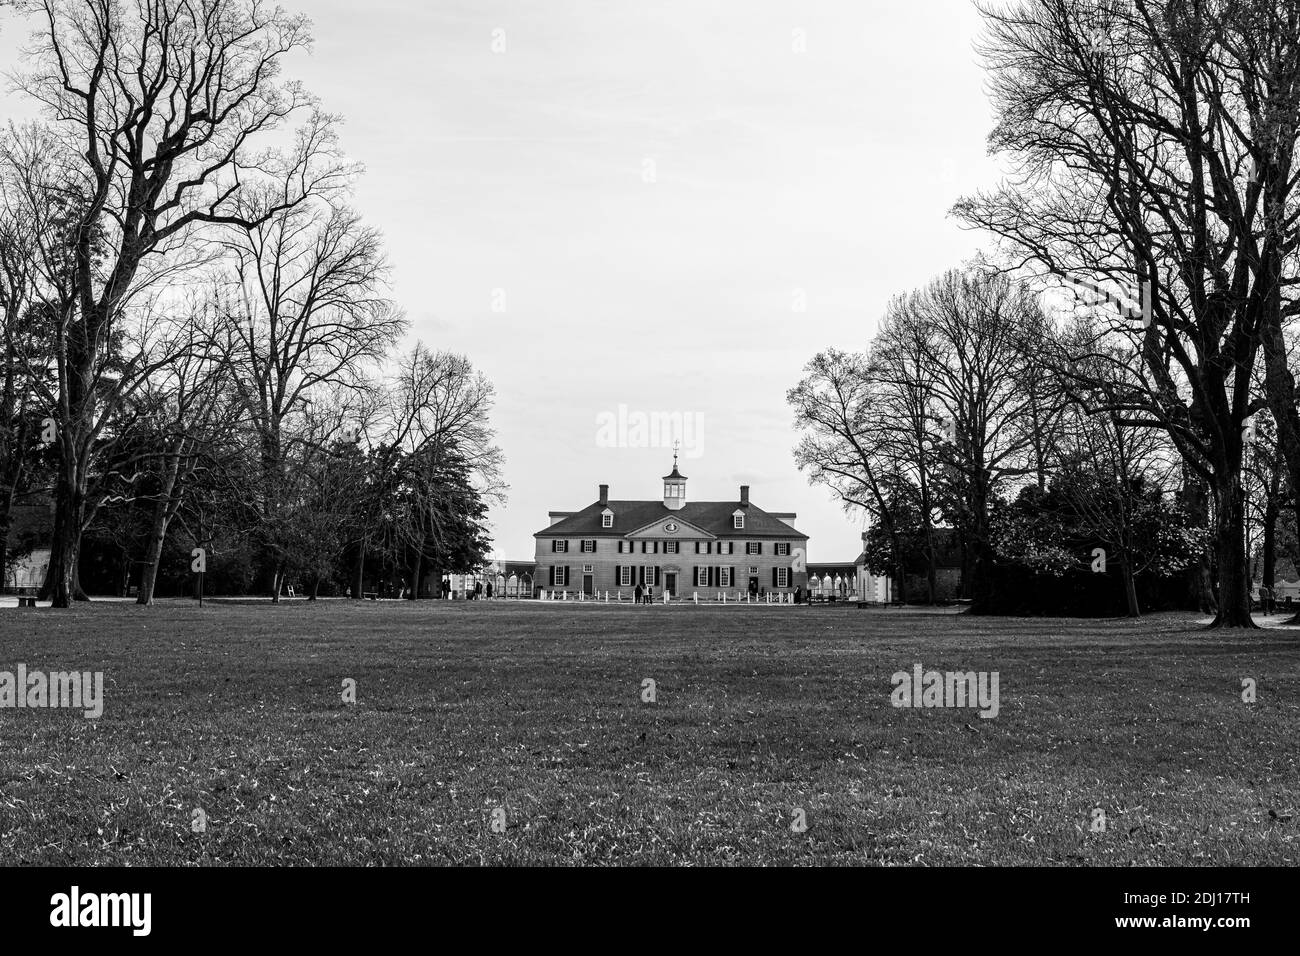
point(843, 442)
point(441, 409)
point(22, 222)
point(307, 312)
point(158, 110)
point(1153, 139)
point(970, 332)
point(188, 401)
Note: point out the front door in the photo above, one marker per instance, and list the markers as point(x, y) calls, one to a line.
point(587, 584)
point(670, 583)
point(753, 585)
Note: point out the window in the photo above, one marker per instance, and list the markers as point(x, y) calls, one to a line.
point(670, 547)
point(588, 569)
point(707, 577)
point(738, 521)
point(753, 569)
point(607, 521)
point(783, 547)
point(753, 547)
point(726, 547)
point(589, 546)
point(560, 547)
point(625, 576)
point(783, 577)
point(559, 576)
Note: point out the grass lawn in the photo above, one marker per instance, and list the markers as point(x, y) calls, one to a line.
point(236, 710)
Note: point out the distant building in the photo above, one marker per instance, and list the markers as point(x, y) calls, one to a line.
point(508, 579)
point(30, 530)
point(849, 581)
point(671, 544)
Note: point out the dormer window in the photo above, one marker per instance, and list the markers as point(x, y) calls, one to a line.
point(738, 521)
point(607, 519)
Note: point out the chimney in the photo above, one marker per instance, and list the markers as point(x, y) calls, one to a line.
point(744, 494)
point(604, 495)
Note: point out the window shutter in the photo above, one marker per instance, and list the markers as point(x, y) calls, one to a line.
point(656, 575)
point(774, 577)
point(618, 575)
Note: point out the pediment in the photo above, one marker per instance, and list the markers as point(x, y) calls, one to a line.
point(659, 529)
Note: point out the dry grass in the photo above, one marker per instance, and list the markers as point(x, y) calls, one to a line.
point(236, 710)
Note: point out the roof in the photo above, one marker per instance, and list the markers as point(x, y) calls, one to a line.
point(713, 517)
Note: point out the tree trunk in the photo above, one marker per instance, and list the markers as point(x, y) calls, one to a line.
point(62, 584)
point(1130, 589)
point(1230, 555)
point(1269, 546)
point(415, 572)
point(1200, 580)
point(931, 559)
point(982, 585)
point(163, 512)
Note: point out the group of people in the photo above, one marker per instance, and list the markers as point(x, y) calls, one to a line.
point(645, 594)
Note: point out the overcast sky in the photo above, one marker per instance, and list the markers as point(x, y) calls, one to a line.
point(612, 204)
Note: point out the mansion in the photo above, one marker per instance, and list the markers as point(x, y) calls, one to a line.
point(671, 545)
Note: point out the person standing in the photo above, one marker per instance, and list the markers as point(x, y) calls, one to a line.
point(639, 592)
point(489, 591)
point(478, 590)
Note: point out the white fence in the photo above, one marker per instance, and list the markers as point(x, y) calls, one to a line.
point(620, 596)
